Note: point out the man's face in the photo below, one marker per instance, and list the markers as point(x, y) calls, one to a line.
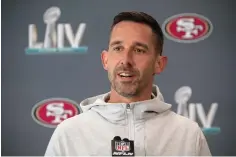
point(131, 60)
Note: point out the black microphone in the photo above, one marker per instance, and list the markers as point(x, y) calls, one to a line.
point(126, 139)
point(123, 147)
point(117, 138)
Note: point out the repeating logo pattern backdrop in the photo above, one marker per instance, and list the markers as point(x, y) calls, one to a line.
point(51, 62)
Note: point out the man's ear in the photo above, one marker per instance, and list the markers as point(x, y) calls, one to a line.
point(160, 65)
point(104, 58)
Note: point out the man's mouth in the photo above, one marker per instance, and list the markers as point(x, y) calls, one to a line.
point(125, 74)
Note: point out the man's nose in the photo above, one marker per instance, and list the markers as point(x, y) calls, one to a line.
point(127, 57)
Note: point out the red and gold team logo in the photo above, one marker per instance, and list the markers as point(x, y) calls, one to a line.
point(51, 112)
point(187, 28)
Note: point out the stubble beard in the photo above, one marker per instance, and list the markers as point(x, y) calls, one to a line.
point(126, 89)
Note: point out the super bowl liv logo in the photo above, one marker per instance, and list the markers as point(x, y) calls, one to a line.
point(55, 35)
point(192, 110)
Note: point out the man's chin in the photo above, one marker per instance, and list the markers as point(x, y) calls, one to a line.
point(127, 94)
point(127, 86)
point(127, 91)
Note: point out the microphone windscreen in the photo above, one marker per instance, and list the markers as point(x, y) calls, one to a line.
point(117, 138)
point(126, 139)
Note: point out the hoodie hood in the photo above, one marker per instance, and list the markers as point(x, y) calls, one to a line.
point(117, 112)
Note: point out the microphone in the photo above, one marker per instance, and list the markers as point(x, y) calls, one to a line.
point(126, 139)
point(117, 138)
point(123, 147)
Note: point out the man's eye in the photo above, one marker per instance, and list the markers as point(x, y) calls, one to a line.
point(139, 50)
point(117, 48)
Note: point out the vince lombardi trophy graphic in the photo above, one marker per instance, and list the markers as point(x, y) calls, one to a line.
point(182, 95)
point(50, 17)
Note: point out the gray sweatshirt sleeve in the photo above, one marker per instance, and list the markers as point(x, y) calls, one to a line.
point(202, 146)
point(54, 147)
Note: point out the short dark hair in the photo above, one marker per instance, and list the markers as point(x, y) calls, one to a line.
point(144, 18)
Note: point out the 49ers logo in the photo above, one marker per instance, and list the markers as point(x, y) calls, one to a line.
point(187, 28)
point(51, 112)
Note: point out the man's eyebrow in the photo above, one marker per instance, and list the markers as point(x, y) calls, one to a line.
point(141, 44)
point(117, 42)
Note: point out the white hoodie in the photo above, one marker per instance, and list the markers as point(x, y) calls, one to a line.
point(155, 129)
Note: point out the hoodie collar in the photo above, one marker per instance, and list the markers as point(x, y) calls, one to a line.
point(117, 112)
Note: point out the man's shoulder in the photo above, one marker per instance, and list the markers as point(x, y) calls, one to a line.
point(76, 122)
point(183, 122)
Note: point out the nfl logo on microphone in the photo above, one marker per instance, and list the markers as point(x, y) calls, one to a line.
point(122, 146)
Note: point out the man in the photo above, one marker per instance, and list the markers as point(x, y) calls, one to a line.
point(134, 108)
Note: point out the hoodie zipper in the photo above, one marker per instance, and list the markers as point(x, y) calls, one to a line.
point(130, 122)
